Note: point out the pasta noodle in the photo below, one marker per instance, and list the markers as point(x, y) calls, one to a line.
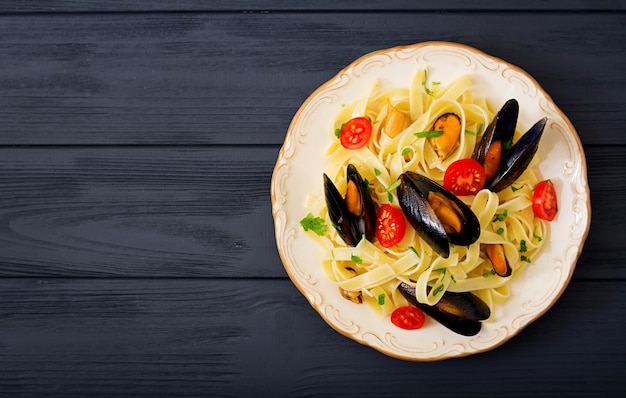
point(505, 218)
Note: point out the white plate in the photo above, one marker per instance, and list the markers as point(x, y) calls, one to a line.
point(298, 172)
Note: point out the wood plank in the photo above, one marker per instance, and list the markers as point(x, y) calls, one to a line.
point(166, 78)
point(261, 338)
point(186, 212)
point(137, 211)
point(319, 5)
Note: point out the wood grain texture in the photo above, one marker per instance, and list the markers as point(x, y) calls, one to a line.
point(290, 5)
point(231, 338)
point(184, 212)
point(137, 249)
point(222, 78)
point(137, 212)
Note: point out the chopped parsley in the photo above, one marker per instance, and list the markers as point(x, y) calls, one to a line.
point(470, 132)
point(411, 248)
point(338, 130)
point(514, 188)
point(406, 151)
point(536, 236)
point(356, 259)
point(522, 246)
point(500, 216)
point(391, 187)
point(437, 290)
point(315, 224)
point(524, 258)
point(442, 270)
point(381, 299)
point(377, 172)
point(488, 274)
point(500, 231)
point(424, 84)
point(429, 134)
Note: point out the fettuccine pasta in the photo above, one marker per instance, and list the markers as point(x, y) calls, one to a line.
point(506, 218)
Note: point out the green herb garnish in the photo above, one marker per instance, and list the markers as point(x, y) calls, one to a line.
point(536, 236)
point(500, 231)
point(488, 274)
point(437, 290)
point(406, 151)
point(429, 134)
point(381, 299)
point(391, 187)
point(377, 172)
point(500, 217)
point(522, 246)
point(411, 248)
point(524, 258)
point(356, 259)
point(513, 188)
point(315, 224)
point(424, 84)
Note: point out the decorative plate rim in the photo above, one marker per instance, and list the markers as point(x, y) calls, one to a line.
point(388, 342)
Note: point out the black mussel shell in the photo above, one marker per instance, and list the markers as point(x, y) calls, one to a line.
point(367, 220)
point(472, 310)
point(351, 227)
point(413, 197)
point(344, 222)
point(422, 217)
point(518, 157)
point(501, 128)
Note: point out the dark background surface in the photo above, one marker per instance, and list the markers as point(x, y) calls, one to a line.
point(137, 250)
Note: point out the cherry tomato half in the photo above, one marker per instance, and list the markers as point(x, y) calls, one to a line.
point(355, 133)
point(408, 317)
point(464, 177)
point(390, 225)
point(544, 200)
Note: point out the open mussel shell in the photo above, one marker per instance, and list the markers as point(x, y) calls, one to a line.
point(518, 157)
point(413, 193)
point(351, 225)
point(367, 216)
point(460, 312)
point(501, 128)
point(512, 160)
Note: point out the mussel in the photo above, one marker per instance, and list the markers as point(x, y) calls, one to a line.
point(495, 252)
point(460, 312)
point(354, 215)
point(449, 124)
point(436, 214)
point(502, 160)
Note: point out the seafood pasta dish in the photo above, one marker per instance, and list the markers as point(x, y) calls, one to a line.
point(432, 203)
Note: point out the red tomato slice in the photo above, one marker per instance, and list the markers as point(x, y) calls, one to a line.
point(544, 200)
point(355, 133)
point(464, 177)
point(390, 225)
point(408, 317)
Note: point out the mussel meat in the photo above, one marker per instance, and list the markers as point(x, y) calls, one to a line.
point(354, 215)
point(502, 160)
point(500, 265)
point(460, 312)
point(436, 214)
point(449, 124)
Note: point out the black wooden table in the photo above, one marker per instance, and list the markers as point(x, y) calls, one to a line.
point(137, 249)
